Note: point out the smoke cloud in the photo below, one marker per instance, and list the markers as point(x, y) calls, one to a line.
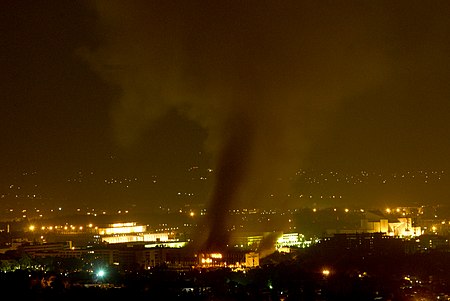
point(262, 78)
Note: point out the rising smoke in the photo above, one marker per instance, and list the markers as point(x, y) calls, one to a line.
point(262, 78)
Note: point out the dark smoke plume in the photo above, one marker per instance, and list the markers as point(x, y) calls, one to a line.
point(231, 171)
point(262, 77)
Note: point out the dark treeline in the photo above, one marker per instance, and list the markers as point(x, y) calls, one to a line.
point(353, 275)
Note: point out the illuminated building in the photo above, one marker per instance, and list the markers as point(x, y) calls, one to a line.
point(374, 226)
point(251, 259)
point(404, 228)
point(295, 240)
point(230, 258)
point(130, 232)
point(139, 237)
point(253, 242)
point(208, 260)
point(401, 227)
point(122, 228)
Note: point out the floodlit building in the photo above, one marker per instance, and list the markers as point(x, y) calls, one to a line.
point(375, 226)
point(400, 227)
point(252, 259)
point(292, 240)
point(122, 228)
point(130, 232)
point(138, 237)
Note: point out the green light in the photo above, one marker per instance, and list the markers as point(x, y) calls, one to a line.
point(269, 283)
point(101, 273)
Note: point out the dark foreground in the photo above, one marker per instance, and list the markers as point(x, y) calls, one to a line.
point(298, 276)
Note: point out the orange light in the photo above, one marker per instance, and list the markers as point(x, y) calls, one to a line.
point(325, 272)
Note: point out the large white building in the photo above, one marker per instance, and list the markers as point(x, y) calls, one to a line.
point(400, 227)
point(131, 232)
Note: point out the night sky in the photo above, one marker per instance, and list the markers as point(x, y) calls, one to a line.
point(255, 90)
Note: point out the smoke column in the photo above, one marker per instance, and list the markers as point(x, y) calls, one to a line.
point(261, 78)
point(230, 173)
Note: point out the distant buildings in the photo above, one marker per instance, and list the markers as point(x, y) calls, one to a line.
point(376, 222)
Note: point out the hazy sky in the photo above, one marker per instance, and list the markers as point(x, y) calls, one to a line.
point(260, 88)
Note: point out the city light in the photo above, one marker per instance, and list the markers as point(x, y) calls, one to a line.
point(325, 272)
point(216, 255)
point(202, 129)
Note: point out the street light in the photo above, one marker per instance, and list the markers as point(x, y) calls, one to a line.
point(100, 273)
